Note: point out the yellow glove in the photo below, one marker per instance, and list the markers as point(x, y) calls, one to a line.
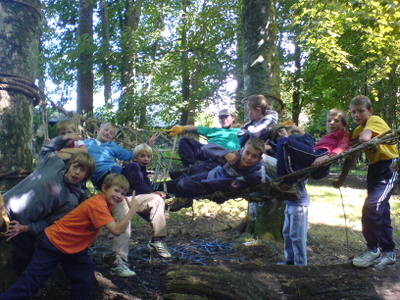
point(176, 130)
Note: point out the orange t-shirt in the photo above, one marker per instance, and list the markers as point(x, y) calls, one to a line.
point(78, 229)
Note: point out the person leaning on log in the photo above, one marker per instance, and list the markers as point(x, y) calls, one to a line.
point(192, 152)
point(4, 220)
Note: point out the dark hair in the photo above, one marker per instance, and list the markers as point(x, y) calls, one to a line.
point(361, 100)
point(257, 101)
point(83, 160)
point(257, 144)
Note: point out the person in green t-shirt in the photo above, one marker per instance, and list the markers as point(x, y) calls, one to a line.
point(192, 153)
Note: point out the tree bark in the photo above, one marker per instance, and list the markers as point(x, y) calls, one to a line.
point(85, 57)
point(19, 43)
point(106, 53)
point(296, 107)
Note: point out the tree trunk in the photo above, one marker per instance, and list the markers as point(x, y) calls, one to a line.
point(85, 57)
point(105, 50)
point(261, 76)
point(185, 85)
point(296, 107)
point(19, 43)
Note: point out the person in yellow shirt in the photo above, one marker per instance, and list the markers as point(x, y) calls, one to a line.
point(376, 221)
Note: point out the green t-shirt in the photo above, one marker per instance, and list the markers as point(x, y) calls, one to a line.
point(224, 137)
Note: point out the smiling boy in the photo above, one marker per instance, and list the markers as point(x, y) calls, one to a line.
point(66, 242)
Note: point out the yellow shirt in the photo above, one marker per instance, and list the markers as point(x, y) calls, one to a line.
point(382, 151)
point(3, 217)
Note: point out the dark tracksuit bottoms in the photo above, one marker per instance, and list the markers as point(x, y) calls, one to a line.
point(376, 222)
point(78, 268)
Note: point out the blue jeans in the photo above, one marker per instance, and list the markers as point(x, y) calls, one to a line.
point(295, 234)
point(78, 268)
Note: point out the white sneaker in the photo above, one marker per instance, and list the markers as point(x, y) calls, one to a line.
point(160, 248)
point(368, 258)
point(122, 270)
point(387, 258)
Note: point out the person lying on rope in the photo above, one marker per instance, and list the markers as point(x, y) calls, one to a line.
point(241, 169)
point(296, 152)
point(192, 152)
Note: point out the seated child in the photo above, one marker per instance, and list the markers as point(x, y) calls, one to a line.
point(296, 152)
point(66, 242)
point(150, 205)
point(47, 194)
point(67, 142)
point(240, 170)
point(262, 119)
point(4, 221)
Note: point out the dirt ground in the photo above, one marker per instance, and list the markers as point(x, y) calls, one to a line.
point(206, 236)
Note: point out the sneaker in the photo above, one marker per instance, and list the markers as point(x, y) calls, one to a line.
point(122, 270)
point(175, 204)
point(387, 258)
point(367, 259)
point(160, 248)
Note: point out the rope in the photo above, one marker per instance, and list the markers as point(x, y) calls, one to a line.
point(36, 9)
point(345, 219)
point(21, 85)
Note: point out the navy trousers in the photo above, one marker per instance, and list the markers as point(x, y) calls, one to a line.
point(190, 186)
point(78, 268)
point(190, 151)
point(376, 221)
point(23, 246)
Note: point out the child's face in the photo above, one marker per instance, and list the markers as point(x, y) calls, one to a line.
point(250, 156)
point(226, 121)
point(360, 113)
point(255, 114)
point(143, 158)
point(75, 173)
point(334, 123)
point(106, 133)
point(65, 131)
point(114, 194)
point(282, 132)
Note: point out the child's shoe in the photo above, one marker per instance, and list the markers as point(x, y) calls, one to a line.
point(367, 259)
point(387, 258)
point(122, 270)
point(175, 204)
point(160, 248)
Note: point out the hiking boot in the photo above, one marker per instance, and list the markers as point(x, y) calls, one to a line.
point(387, 258)
point(122, 270)
point(367, 259)
point(175, 204)
point(160, 248)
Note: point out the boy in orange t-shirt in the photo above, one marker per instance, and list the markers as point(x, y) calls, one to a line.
point(67, 240)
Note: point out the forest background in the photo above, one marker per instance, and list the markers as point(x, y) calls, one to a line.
point(169, 60)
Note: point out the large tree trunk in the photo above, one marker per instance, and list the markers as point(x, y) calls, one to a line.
point(19, 44)
point(85, 58)
point(106, 53)
point(296, 107)
point(261, 76)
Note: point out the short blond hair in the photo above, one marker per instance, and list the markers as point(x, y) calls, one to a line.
point(362, 100)
point(66, 124)
point(142, 148)
point(257, 144)
point(117, 180)
point(258, 101)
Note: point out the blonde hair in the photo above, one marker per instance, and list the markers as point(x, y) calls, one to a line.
point(141, 148)
point(361, 100)
point(257, 144)
point(66, 124)
point(116, 179)
point(334, 112)
point(257, 101)
point(83, 160)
